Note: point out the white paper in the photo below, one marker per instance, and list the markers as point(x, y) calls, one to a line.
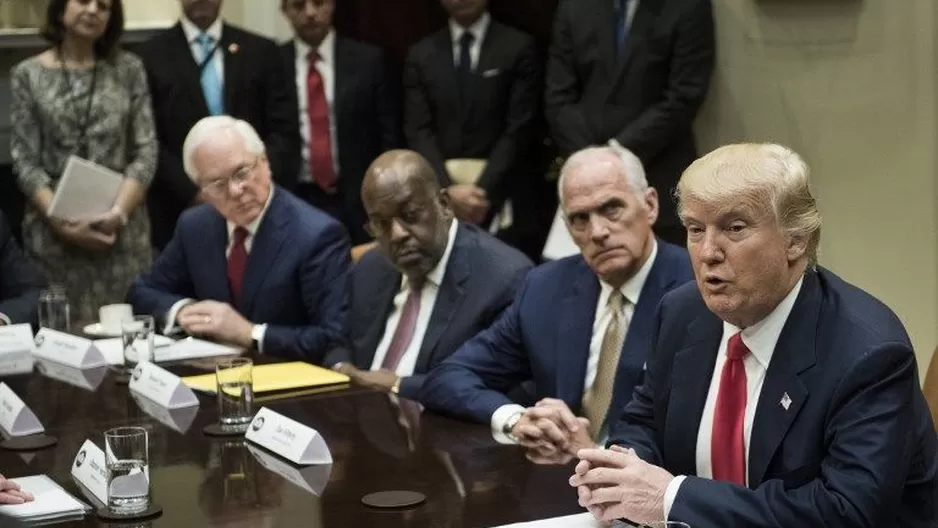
point(310, 478)
point(14, 364)
point(67, 349)
point(288, 438)
point(580, 520)
point(16, 339)
point(50, 501)
point(559, 242)
point(88, 379)
point(113, 348)
point(85, 189)
point(192, 348)
point(177, 419)
point(15, 417)
point(161, 386)
point(90, 470)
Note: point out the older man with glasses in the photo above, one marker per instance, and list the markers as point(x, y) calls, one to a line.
point(254, 266)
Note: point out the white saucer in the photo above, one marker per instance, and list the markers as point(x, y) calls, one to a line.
point(99, 331)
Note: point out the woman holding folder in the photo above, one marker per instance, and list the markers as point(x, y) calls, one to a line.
point(84, 97)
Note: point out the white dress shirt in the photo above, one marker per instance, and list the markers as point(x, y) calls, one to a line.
point(248, 244)
point(326, 68)
point(632, 289)
point(478, 29)
point(761, 339)
point(192, 33)
point(431, 287)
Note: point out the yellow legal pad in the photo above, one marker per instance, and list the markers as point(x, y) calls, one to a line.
point(277, 377)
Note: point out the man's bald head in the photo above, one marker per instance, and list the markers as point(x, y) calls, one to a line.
point(408, 214)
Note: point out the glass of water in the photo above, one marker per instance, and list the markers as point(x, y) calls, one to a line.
point(137, 336)
point(54, 311)
point(126, 453)
point(235, 386)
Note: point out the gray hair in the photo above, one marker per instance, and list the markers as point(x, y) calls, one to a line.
point(631, 167)
point(758, 175)
point(211, 126)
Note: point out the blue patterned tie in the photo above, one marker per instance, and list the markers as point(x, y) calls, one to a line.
point(211, 83)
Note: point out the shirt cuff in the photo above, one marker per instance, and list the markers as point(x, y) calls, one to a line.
point(670, 493)
point(257, 333)
point(499, 417)
point(4, 319)
point(173, 313)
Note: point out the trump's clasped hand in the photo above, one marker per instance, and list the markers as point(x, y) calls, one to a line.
point(10, 492)
point(615, 483)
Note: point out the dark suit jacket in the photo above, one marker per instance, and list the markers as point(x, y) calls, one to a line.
point(482, 277)
point(256, 90)
point(492, 121)
point(367, 112)
point(545, 335)
point(20, 280)
point(647, 99)
point(296, 279)
point(855, 448)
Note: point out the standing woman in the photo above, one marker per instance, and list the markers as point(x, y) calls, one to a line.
point(84, 96)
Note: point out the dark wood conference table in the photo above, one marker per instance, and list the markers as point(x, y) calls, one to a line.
point(469, 480)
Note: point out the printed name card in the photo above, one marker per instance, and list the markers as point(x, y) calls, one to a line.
point(288, 438)
point(16, 339)
point(15, 417)
point(161, 386)
point(310, 478)
point(177, 419)
point(67, 349)
point(90, 471)
point(16, 363)
point(88, 379)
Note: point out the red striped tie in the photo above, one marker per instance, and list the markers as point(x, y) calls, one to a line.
point(404, 332)
point(237, 263)
point(727, 445)
point(320, 142)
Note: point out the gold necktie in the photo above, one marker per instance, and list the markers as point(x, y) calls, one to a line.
point(597, 399)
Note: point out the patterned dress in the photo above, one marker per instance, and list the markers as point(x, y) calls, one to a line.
point(50, 114)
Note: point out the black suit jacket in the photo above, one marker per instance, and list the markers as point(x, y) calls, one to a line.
point(646, 99)
point(20, 280)
point(491, 117)
point(256, 90)
point(482, 277)
point(367, 112)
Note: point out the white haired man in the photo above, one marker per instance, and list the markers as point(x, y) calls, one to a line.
point(580, 327)
point(776, 393)
point(254, 266)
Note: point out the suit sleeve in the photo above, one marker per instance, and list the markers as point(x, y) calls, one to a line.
point(418, 118)
point(20, 280)
point(562, 94)
point(862, 477)
point(282, 120)
point(516, 139)
point(691, 67)
point(324, 286)
point(167, 282)
point(473, 382)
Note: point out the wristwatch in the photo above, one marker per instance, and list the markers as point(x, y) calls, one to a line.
point(396, 388)
point(510, 424)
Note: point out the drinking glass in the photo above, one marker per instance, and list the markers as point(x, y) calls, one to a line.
point(137, 337)
point(235, 387)
point(126, 451)
point(53, 309)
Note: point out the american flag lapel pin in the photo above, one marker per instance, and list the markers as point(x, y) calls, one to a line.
point(786, 401)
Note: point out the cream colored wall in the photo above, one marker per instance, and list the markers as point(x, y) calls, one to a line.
point(150, 11)
point(851, 85)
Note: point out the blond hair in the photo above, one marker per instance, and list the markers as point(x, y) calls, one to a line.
point(758, 175)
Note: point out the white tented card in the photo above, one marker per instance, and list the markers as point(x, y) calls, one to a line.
point(288, 438)
point(90, 471)
point(16, 339)
point(177, 419)
point(67, 349)
point(15, 417)
point(16, 363)
point(161, 386)
point(310, 478)
point(88, 379)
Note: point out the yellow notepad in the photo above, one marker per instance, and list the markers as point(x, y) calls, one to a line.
point(277, 377)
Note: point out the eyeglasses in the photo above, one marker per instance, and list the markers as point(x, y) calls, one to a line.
point(222, 186)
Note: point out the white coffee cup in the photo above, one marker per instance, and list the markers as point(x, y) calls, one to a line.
point(111, 316)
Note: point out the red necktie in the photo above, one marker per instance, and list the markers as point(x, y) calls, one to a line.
point(727, 446)
point(404, 332)
point(320, 143)
point(237, 263)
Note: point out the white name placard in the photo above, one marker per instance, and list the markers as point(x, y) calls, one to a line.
point(161, 386)
point(67, 349)
point(177, 419)
point(310, 478)
point(16, 363)
point(288, 438)
point(15, 417)
point(16, 339)
point(90, 471)
point(88, 379)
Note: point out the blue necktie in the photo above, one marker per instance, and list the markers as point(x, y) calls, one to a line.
point(622, 28)
point(465, 57)
point(211, 83)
